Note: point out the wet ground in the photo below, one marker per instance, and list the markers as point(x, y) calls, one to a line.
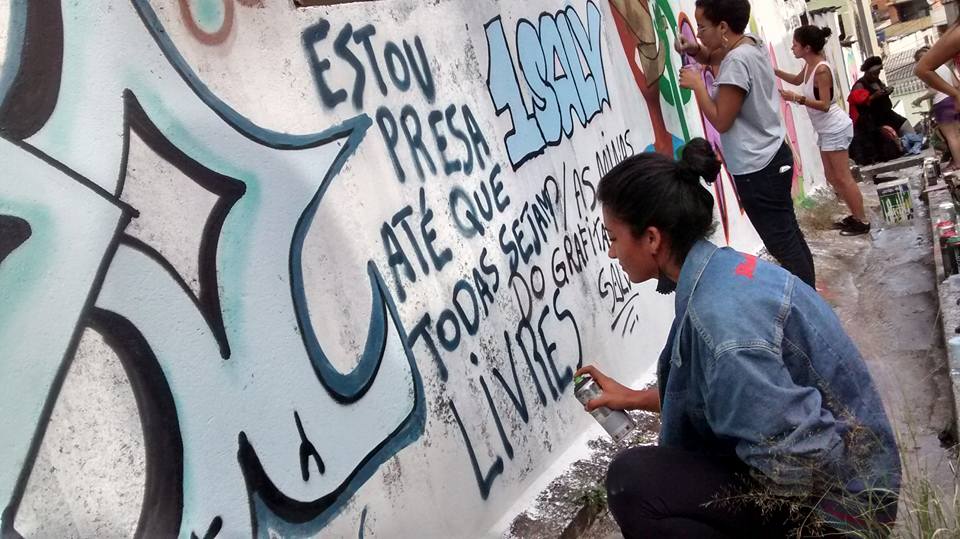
point(883, 288)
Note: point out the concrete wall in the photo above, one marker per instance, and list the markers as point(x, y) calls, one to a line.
point(269, 270)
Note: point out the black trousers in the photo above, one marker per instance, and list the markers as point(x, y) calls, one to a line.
point(660, 492)
point(765, 196)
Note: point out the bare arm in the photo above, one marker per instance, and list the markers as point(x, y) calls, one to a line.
point(824, 83)
point(724, 110)
point(928, 95)
point(795, 80)
point(942, 51)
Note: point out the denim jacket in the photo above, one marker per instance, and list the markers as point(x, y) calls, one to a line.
point(759, 366)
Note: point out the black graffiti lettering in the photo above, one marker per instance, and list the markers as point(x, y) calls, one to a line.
point(313, 35)
point(519, 285)
point(449, 114)
point(391, 137)
point(359, 76)
point(516, 397)
point(484, 480)
point(560, 277)
point(472, 323)
point(396, 259)
point(497, 187)
point(483, 290)
point(362, 37)
point(401, 218)
point(422, 330)
point(490, 270)
point(448, 341)
point(540, 219)
point(534, 352)
point(421, 69)
point(586, 201)
point(429, 235)
point(538, 284)
point(549, 348)
point(465, 219)
point(525, 251)
point(414, 135)
point(496, 419)
point(508, 248)
point(392, 54)
point(613, 153)
point(565, 314)
point(449, 167)
point(422, 152)
point(307, 451)
point(476, 136)
point(485, 204)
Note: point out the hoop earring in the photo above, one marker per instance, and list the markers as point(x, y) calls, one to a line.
point(726, 41)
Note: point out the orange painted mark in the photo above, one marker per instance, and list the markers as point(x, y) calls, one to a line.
point(747, 267)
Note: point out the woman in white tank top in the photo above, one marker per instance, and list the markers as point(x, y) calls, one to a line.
point(833, 125)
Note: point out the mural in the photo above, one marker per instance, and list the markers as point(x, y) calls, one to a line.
point(271, 271)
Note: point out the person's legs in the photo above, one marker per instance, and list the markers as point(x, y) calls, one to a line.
point(663, 492)
point(765, 197)
point(951, 133)
point(841, 179)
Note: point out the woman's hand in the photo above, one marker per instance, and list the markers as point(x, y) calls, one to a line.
point(615, 395)
point(789, 96)
point(691, 77)
point(684, 46)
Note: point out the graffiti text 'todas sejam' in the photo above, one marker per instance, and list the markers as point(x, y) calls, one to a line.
point(560, 60)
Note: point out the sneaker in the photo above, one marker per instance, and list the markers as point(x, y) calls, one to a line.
point(855, 228)
point(844, 223)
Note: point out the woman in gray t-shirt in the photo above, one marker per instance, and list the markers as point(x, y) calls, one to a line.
point(744, 107)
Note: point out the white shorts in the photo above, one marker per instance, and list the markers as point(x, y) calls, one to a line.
point(835, 142)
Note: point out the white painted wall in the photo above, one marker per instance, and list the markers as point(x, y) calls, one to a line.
point(223, 204)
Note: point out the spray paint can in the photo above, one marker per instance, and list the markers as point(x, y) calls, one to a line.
point(951, 262)
point(617, 423)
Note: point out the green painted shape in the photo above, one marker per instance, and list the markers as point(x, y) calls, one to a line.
point(209, 14)
point(670, 89)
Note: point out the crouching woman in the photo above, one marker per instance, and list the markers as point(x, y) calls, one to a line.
point(770, 423)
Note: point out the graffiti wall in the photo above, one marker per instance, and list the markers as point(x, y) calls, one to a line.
point(270, 271)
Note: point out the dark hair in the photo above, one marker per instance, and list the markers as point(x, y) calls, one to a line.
point(920, 52)
point(873, 61)
point(812, 36)
point(736, 13)
point(650, 189)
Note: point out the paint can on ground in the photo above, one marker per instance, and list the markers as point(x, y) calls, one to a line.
point(617, 423)
point(946, 212)
point(951, 256)
point(895, 201)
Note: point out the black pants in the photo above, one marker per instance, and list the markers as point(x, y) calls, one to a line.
point(659, 492)
point(765, 196)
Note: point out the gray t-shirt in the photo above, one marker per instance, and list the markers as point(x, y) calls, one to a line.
point(757, 132)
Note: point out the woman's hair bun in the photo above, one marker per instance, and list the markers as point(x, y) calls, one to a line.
point(826, 31)
point(698, 160)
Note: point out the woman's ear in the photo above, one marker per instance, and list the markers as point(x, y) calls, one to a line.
point(654, 239)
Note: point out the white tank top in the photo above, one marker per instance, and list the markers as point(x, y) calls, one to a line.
point(832, 121)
